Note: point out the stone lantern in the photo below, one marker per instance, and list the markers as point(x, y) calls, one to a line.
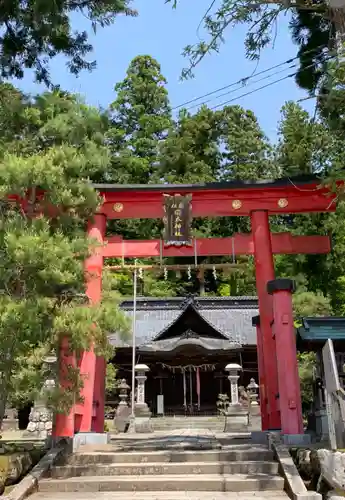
point(41, 417)
point(141, 407)
point(122, 415)
point(253, 389)
point(123, 393)
point(233, 369)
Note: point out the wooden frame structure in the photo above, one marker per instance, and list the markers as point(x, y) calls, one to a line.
point(280, 405)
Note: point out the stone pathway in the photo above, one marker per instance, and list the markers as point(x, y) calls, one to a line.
point(177, 495)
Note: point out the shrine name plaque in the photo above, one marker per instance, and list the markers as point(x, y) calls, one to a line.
point(177, 220)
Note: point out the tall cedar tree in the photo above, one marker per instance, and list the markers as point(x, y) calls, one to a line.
point(140, 121)
point(140, 118)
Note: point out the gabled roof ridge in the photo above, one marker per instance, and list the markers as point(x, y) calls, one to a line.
point(183, 311)
point(201, 298)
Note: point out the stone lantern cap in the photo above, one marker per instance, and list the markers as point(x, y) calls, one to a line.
point(141, 368)
point(123, 384)
point(50, 359)
point(233, 367)
point(252, 384)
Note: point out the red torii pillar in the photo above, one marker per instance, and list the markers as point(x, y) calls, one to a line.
point(63, 425)
point(288, 378)
point(264, 268)
point(88, 415)
point(95, 385)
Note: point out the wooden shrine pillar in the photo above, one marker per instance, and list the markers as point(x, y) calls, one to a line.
point(288, 378)
point(63, 425)
point(264, 268)
point(97, 231)
point(90, 414)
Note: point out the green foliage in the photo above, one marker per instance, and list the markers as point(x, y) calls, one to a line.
point(57, 143)
point(224, 14)
point(311, 27)
point(110, 380)
point(34, 32)
point(221, 145)
point(314, 35)
point(140, 119)
point(42, 282)
point(247, 153)
point(190, 152)
point(302, 142)
point(307, 304)
point(306, 367)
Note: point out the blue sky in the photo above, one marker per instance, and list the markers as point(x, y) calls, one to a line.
point(162, 33)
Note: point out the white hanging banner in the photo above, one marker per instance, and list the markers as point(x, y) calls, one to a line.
point(188, 368)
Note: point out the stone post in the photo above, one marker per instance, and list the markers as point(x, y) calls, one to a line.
point(141, 407)
point(233, 377)
point(142, 420)
point(41, 417)
point(10, 421)
point(122, 415)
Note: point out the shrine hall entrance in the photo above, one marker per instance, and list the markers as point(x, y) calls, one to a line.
point(188, 390)
point(188, 351)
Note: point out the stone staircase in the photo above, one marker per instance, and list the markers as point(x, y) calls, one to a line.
point(171, 470)
point(215, 423)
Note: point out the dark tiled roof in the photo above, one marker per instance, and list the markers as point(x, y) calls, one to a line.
point(230, 315)
point(319, 329)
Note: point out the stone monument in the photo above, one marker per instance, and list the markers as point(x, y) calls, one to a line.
point(41, 417)
point(142, 421)
point(141, 408)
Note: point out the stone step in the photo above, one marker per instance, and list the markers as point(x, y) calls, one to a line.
point(126, 469)
point(166, 495)
point(187, 424)
point(238, 454)
point(182, 423)
point(194, 482)
point(200, 418)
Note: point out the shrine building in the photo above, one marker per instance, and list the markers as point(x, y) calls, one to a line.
point(187, 343)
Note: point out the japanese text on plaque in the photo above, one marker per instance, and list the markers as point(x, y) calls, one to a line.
point(177, 220)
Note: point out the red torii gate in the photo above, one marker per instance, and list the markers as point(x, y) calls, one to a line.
point(258, 200)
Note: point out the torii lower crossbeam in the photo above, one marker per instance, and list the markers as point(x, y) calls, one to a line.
point(239, 244)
